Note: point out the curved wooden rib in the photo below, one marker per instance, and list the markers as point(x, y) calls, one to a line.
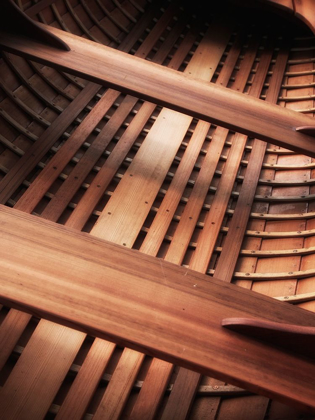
point(294, 338)
point(14, 20)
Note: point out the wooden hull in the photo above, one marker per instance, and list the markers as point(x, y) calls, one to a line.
point(161, 182)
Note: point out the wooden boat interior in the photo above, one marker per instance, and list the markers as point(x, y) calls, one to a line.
point(157, 209)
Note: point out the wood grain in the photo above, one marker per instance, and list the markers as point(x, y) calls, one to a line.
point(170, 88)
point(133, 298)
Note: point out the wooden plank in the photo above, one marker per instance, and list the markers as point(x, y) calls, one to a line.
point(90, 373)
point(152, 390)
point(170, 88)
point(187, 382)
point(182, 396)
point(120, 385)
point(164, 300)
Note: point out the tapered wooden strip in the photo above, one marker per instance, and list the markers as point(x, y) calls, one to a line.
point(174, 299)
point(30, 159)
point(168, 88)
point(90, 373)
point(182, 395)
point(300, 298)
point(152, 390)
point(119, 386)
point(32, 378)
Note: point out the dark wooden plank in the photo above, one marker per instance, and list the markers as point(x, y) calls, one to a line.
point(47, 270)
point(170, 88)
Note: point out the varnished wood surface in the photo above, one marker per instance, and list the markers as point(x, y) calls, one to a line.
point(106, 305)
point(169, 88)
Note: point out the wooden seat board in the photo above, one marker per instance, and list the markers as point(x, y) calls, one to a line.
point(166, 87)
point(164, 291)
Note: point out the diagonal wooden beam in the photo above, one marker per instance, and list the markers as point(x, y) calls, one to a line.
point(170, 88)
point(148, 304)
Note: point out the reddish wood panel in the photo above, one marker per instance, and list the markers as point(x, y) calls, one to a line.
point(164, 300)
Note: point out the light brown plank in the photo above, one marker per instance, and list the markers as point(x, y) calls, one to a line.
point(28, 378)
point(132, 298)
point(170, 88)
point(120, 385)
point(89, 375)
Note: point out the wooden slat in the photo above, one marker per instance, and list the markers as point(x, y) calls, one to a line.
point(164, 299)
point(233, 241)
point(119, 386)
point(164, 86)
point(90, 373)
point(30, 159)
